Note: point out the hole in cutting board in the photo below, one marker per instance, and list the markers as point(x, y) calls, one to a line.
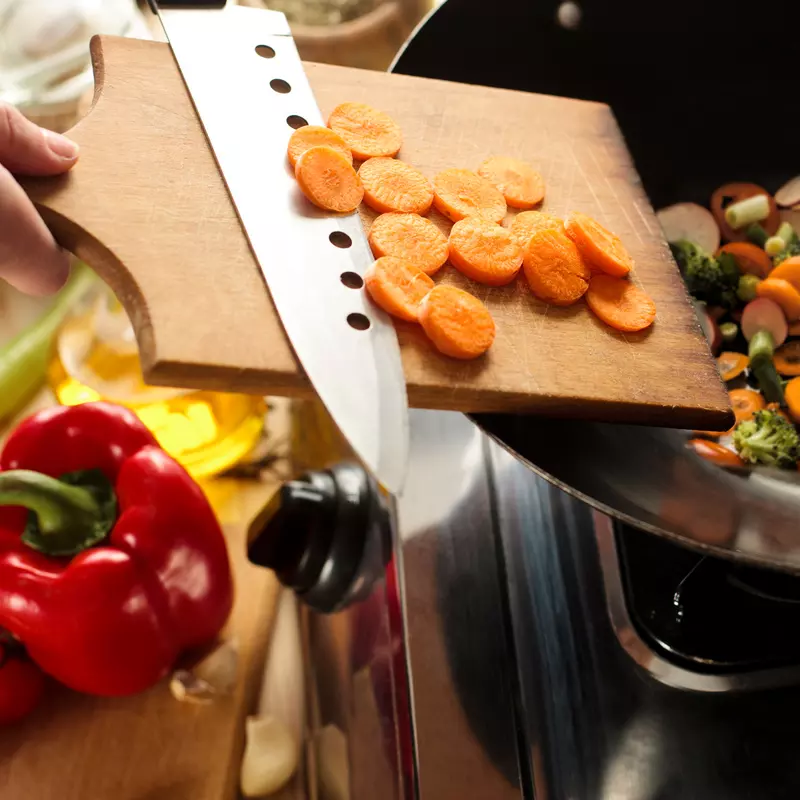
point(265, 51)
point(280, 86)
point(358, 321)
point(352, 281)
point(339, 239)
point(295, 121)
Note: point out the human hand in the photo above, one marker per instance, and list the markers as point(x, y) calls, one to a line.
point(30, 259)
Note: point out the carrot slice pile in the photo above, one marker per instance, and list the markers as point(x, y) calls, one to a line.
point(783, 293)
point(458, 324)
point(315, 136)
point(620, 304)
point(460, 193)
point(369, 133)
point(731, 364)
point(410, 237)
point(787, 358)
point(484, 252)
point(521, 185)
point(328, 180)
point(750, 258)
point(598, 245)
point(390, 185)
point(397, 286)
point(554, 268)
point(527, 223)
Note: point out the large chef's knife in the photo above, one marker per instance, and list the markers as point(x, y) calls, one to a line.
point(248, 86)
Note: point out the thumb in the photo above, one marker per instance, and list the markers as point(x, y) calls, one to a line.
point(27, 149)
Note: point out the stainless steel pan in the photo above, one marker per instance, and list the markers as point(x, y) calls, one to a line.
point(703, 99)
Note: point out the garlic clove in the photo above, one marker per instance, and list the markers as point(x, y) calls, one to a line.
point(215, 676)
point(271, 756)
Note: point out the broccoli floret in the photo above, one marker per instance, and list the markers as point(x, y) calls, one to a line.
point(791, 249)
point(713, 280)
point(769, 439)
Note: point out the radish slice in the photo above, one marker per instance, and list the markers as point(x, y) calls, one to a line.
point(709, 326)
point(764, 315)
point(691, 222)
point(789, 194)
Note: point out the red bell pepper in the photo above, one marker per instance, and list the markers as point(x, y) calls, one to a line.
point(112, 562)
point(22, 684)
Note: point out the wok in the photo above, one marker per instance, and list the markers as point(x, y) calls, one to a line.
point(705, 94)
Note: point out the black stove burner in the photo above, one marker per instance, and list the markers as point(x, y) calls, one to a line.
point(708, 614)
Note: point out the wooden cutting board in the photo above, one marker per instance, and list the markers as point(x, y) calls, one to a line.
point(147, 208)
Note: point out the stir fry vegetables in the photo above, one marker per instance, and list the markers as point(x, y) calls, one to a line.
point(747, 296)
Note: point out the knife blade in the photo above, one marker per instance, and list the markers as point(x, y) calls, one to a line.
point(249, 89)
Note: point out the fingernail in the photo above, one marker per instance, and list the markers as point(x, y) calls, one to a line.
point(61, 146)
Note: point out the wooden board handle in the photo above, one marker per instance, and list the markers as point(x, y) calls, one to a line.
point(146, 207)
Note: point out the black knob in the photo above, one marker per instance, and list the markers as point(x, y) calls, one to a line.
point(326, 535)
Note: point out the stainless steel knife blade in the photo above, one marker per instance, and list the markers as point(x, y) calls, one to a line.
point(249, 88)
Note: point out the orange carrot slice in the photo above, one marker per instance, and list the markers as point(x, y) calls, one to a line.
point(521, 185)
point(783, 293)
point(484, 252)
point(750, 258)
point(328, 180)
point(788, 270)
point(792, 395)
point(458, 324)
point(745, 403)
point(794, 329)
point(460, 193)
point(315, 136)
point(731, 365)
point(410, 237)
point(599, 246)
point(397, 286)
point(390, 185)
point(526, 223)
point(716, 453)
point(554, 269)
point(787, 358)
point(620, 304)
point(369, 133)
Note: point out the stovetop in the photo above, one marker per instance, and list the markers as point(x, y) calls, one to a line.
point(646, 671)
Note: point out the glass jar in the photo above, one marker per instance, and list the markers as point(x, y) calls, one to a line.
point(96, 358)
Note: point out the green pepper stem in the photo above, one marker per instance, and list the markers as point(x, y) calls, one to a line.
point(60, 509)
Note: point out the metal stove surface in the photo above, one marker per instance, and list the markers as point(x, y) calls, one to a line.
point(608, 712)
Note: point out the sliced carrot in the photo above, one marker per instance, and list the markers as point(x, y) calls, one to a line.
point(732, 193)
point(526, 223)
point(521, 185)
point(788, 270)
point(315, 136)
point(716, 453)
point(599, 246)
point(484, 252)
point(369, 133)
point(750, 258)
point(397, 286)
point(458, 324)
point(792, 394)
point(554, 268)
point(391, 185)
point(745, 403)
point(410, 237)
point(460, 193)
point(328, 180)
point(787, 358)
point(783, 293)
point(620, 304)
point(731, 365)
